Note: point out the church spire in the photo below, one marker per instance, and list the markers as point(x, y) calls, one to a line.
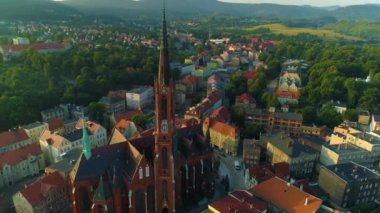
point(86, 141)
point(163, 70)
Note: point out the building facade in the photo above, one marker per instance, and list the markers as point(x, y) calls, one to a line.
point(140, 97)
point(20, 163)
point(35, 129)
point(251, 152)
point(222, 135)
point(47, 194)
point(13, 139)
point(349, 184)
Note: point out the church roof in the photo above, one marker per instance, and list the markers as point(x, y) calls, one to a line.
point(103, 192)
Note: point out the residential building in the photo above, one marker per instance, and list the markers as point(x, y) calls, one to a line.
point(47, 194)
point(55, 146)
point(313, 142)
point(34, 130)
point(238, 201)
point(15, 50)
point(333, 154)
point(339, 106)
point(286, 122)
point(288, 87)
point(221, 114)
point(20, 40)
point(283, 197)
point(349, 184)
point(282, 148)
point(222, 135)
point(251, 152)
point(113, 105)
point(364, 118)
point(375, 123)
point(191, 84)
point(139, 98)
point(13, 139)
point(205, 107)
point(245, 100)
point(55, 112)
point(260, 173)
point(57, 125)
point(312, 129)
point(20, 163)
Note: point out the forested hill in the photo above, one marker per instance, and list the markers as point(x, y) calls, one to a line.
point(35, 10)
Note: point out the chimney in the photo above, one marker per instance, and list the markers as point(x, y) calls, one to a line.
point(301, 187)
point(306, 200)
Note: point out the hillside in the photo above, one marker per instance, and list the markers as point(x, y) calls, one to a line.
point(370, 12)
point(35, 10)
point(365, 30)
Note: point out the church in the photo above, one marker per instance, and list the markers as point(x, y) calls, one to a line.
point(164, 170)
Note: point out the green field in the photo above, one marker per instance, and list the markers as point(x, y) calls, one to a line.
point(291, 31)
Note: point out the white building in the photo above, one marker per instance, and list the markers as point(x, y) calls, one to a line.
point(20, 163)
point(20, 40)
point(140, 97)
point(55, 146)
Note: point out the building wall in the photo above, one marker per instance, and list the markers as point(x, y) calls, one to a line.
point(34, 133)
point(139, 100)
point(15, 145)
point(10, 174)
point(21, 205)
point(224, 142)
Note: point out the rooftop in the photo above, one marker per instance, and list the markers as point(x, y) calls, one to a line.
point(39, 190)
point(12, 136)
point(286, 196)
point(353, 172)
point(110, 100)
point(239, 201)
point(67, 163)
point(16, 156)
point(33, 125)
point(289, 116)
point(140, 90)
point(55, 123)
point(367, 137)
point(345, 148)
point(287, 144)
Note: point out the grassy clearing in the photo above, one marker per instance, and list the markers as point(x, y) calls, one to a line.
point(281, 29)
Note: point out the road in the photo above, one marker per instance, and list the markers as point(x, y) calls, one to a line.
point(227, 167)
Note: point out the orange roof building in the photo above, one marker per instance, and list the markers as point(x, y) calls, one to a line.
point(222, 135)
point(47, 194)
point(281, 196)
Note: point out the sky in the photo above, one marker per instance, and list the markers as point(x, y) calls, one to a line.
point(308, 2)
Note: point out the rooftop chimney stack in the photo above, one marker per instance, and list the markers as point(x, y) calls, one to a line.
point(306, 200)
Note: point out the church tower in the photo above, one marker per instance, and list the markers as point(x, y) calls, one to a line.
point(164, 87)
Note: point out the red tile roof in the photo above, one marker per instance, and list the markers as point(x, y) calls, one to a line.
point(38, 46)
point(12, 136)
point(245, 98)
point(239, 201)
point(189, 79)
point(91, 126)
point(52, 138)
point(282, 170)
point(250, 74)
point(39, 190)
point(16, 156)
point(287, 94)
point(221, 114)
point(127, 115)
point(55, 123)
point(286, 196)
point(224, 129)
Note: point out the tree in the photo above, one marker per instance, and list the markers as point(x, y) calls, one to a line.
point(140, 120)
point(329, 117)
point(351, 115)
point(252, 131)
point(96, 111)
point(370, 100)
point(309, 114)
point(238, 115)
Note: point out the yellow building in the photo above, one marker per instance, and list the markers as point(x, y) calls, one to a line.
point(281, 148)
point(222, 136)
point(35, 129)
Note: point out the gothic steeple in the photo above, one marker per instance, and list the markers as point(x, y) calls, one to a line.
point(86, 143)
point(163, 70)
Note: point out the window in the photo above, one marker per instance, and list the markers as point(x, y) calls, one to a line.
point(164, 158)
point(147, 170)
point(141, 173)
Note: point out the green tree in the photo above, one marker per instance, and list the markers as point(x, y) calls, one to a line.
point(351, 115)
point(252, 132)
point(329, 117)
point(309, 114)
point(370, 100)
point(140, 120)
point(96, 111)
point(238, 115)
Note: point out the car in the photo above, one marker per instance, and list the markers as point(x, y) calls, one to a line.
point(237, 165)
